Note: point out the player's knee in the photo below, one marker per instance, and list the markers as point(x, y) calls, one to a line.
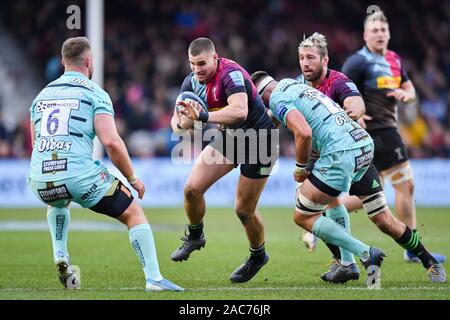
point(333, 204)
point(298, 219)
point(383, 221)
point(405, 188)
point(243, 215)
point(133, 216)
point(192, 191)
point(374, 204)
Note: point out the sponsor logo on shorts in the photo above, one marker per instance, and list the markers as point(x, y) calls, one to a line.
point(89, 192)
point(375, 184)
point(265, 171)
point(53, 166)
point(358, 134)
point(363, 160)
point(55, 193)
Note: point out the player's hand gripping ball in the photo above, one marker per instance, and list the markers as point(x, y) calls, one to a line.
point(184, 121)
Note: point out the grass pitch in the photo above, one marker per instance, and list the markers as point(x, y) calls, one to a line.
point(110, 270)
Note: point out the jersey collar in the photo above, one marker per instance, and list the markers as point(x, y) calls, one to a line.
point(74, 73)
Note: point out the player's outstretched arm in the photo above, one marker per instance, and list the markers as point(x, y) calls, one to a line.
point(106, 131)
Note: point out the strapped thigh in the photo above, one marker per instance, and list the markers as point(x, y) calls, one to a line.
point(116, 200)
point(307, 207)
point(374, 204)
point(400, 175)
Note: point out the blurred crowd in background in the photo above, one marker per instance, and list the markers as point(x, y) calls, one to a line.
point(146, 57)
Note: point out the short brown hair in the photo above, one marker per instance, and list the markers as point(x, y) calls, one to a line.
point(200, 45)
point(73, 49)
point(316, 40)
point(376, 16)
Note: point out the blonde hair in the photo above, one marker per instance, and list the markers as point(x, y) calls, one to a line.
point(317, 41)
point(73, 50)
point(376, 16)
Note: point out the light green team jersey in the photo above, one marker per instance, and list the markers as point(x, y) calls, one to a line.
point(332, 129)
point(63, 115)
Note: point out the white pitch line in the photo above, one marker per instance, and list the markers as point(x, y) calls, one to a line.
point(78, 225)
point(234, 289)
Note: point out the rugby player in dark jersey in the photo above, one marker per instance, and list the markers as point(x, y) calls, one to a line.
point(381, 78)
point(234, 104)
point(313, 59)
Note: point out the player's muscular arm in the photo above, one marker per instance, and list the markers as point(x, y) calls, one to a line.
point(236, 111)
point(106, 131)
point(354, 106)
point(302, 134)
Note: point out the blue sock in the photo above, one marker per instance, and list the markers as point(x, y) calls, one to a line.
point(58, 220)
point(143, 244)
point(340, 215)
point(331, 232)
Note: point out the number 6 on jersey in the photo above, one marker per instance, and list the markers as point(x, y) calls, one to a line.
point(56, 115)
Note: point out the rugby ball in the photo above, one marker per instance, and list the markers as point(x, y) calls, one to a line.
point(190, 96)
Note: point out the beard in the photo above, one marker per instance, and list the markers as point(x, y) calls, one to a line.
point(314, 75)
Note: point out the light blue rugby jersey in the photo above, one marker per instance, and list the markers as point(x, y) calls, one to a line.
point(332, 129)
point(63, 115)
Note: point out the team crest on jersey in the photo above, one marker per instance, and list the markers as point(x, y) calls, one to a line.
point(214, 90)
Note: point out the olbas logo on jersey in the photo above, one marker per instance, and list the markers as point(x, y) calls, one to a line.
point(53, 144)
